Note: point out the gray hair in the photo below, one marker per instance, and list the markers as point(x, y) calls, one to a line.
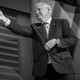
point(45, 5)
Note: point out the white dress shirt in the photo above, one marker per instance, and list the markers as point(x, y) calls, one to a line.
point(47, 26)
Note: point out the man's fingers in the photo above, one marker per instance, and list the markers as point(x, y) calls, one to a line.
point(47, 47)
point(1, 14)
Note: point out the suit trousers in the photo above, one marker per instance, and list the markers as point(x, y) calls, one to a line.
point(51, 74)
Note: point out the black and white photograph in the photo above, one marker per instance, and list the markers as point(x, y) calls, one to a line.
point(39, 40)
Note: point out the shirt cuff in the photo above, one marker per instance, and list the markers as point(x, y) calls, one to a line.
point(7, 22)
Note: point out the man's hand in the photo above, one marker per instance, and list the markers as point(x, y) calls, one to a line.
point(50, 44)
point(2, 17)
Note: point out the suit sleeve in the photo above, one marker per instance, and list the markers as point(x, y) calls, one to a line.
point(69, 39)
point(25, 31)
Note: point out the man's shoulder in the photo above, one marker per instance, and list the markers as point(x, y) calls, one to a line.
point(61, 20)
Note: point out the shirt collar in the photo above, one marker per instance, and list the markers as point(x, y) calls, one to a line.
point(49, 20)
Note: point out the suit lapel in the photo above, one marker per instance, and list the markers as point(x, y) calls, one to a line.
point(40, 31)
point(52, 30)
point(43, 32)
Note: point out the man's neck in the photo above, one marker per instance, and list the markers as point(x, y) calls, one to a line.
point(48, 20)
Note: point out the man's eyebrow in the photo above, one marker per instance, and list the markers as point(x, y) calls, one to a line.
point(38, 8)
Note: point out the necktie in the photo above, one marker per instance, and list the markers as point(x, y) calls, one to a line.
point(46, 26)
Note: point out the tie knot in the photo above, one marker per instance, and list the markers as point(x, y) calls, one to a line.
point(46, 24)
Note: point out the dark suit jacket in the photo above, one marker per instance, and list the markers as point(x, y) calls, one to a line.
point(60, 56)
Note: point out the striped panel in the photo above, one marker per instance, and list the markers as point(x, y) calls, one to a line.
point(8, 73)
point(8, 49)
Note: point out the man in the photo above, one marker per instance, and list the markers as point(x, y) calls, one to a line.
point(51, 57)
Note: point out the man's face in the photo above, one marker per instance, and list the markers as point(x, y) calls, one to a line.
point(41, 12)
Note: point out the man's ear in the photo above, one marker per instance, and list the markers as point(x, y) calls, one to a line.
point(49, 10)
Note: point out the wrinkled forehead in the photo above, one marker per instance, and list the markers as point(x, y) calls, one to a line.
point(41, 5)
